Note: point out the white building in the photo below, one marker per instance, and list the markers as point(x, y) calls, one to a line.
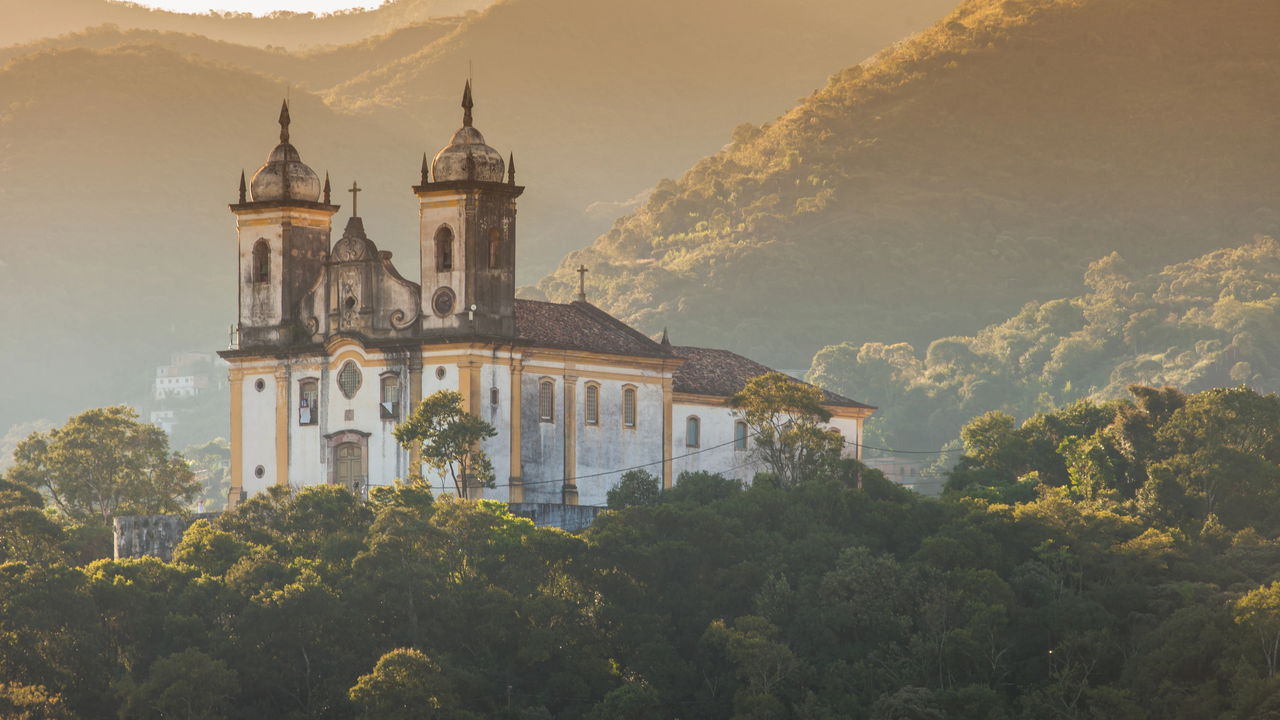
point(335, 348)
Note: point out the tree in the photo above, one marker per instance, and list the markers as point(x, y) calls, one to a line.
point(449, 440)
point(405, 685)
point(1259, 611)
point(104, 463)
point(787, 419)
point(187, 685)
point(636, 487)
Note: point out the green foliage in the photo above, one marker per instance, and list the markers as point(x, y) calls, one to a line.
point(448, 439)
point(1102, 560)
point(1204, 323)
point(104, 463)
point(635, 487)
point(405, 685)
point(787, 421)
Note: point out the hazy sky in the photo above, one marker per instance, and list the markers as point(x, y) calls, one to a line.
point(259, 7)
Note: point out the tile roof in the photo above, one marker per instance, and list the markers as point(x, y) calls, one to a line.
point(581, 326)
point(707, 371)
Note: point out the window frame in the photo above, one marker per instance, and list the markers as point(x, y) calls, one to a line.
point(591, 404)
point(384, 379)
point(741, 435)
point(261, 261)
point(495, 249)
point(359, 375)
point(695, 422)
point(629, 393)
point(546, 400)
point(444, 238)
point(314, 407)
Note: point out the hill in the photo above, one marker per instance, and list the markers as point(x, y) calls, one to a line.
point(598, 99)
point(938, 187)
point(152, 132)
point(1209, 322)
point(317, 69)
point(28, 22)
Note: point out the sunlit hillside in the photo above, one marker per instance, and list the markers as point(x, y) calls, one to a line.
point(1213, 321)
point(960, 174)
point(27, 21)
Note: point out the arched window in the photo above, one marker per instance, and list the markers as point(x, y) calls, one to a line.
point(444, 249)
point(389, 405)
point(591, 404)
point(495, 249)
point(261, 261)
point(692, 432)
point(308, 403)
point(740, 436)
point(547, 401)
point(628, 407)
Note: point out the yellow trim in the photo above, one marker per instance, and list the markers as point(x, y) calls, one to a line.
point(581, 357)
point(415, 397)
point(434, 204)
point(516, 489)
point(667, 449)
point(840, 411)
point(236, 376)
point(606, 375)
point(570, 494)
point(282, 425)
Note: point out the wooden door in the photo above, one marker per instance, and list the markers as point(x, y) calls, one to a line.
point(349, 468)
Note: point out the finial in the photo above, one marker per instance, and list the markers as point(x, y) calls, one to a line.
point(511, 169)
point(244, 190)
point(354, 190)
point(284, 121)
point(424, 168)
point(582, 283)
point(467, 104)
point(327, 190)
point(664, 342)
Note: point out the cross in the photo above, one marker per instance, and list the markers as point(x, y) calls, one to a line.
point(354, 189)
point(582, 283)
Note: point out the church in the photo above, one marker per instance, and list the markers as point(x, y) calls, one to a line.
point(334, 347)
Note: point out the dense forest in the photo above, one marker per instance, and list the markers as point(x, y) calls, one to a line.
point(1113, 560)
point(959, 174)
point(1208, 322)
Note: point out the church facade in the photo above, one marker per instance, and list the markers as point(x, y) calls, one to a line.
point(334, 347)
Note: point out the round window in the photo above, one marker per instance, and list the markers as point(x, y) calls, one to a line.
point(442, 301)
point(440, 373)
point(259, 471)
point(259, 384)
point(349, 379)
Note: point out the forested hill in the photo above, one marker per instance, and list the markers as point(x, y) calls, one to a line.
point(940, 186)
point(26, 21)
point(1210, 322)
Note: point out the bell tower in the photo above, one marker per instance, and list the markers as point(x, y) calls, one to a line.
point(467, 236)
point(283, 229)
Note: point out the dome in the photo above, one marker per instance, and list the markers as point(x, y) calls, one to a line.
point(467, 157)
point(285, 176)
point(452, 162)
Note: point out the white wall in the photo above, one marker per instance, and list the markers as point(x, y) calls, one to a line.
point(259, 430)
point(717, 430)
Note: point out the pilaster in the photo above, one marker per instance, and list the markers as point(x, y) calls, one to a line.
point(570, 419)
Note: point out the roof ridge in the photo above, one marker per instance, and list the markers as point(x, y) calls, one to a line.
point(584, 306)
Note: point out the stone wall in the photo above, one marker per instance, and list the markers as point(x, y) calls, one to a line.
point(572, 518)
point(151, 535)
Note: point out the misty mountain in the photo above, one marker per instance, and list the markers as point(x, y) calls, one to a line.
point(26, 21)
point(959, 174)
point(315, 69)
point(117, 158)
